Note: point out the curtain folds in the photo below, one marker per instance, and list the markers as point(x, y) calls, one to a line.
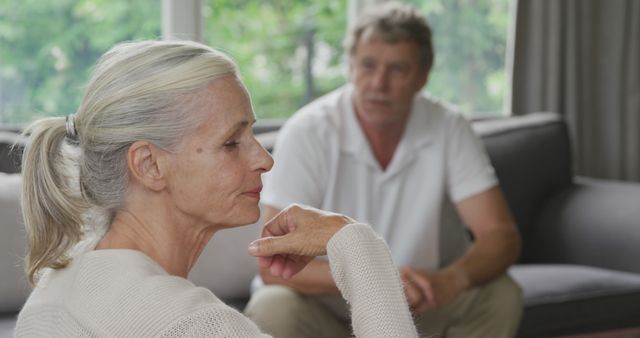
point(581, 58)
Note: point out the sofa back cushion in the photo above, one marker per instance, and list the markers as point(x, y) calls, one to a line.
point(532, 158)
point(9, 156)
point(13, 281)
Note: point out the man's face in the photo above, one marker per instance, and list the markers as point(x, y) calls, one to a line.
point(386, 76)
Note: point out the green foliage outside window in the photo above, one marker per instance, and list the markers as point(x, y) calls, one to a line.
point(470, 39)
point(267, 40)
point(47, 49)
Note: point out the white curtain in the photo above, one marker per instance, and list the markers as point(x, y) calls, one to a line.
point(581, 58)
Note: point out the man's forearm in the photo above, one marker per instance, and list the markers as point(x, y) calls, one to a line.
point(315, 279)
point(496, 238)
point(488, 257)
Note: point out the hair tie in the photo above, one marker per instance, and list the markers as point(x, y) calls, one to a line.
point(70, 125)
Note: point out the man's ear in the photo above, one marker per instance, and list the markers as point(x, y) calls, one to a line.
point(143, 160)
point(424, 78)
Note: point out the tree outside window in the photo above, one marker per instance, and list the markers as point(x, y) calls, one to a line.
point(47, 50)
point(470, 39)
point(289, 52)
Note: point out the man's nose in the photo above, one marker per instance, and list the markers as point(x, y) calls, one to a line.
point(380, 79)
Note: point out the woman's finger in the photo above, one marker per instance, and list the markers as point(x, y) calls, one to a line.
point(277, 266)
point(265, 262)
point(279, 225)
point(270, 246)
point(295, 264)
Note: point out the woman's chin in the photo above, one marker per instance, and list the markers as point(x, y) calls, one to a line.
point(250, 216)
point(245, 215)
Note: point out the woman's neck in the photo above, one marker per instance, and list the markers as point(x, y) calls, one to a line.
point(172, 243)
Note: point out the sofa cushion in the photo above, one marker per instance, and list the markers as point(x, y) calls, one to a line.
point(587, 219)
point(560, 298)
point(532, 158)
point(13, 282)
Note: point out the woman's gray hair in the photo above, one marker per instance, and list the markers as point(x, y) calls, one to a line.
point(394, 22)
point(147, 90)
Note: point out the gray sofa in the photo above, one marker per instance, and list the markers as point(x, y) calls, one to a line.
point(579, 267)
point(578, 270)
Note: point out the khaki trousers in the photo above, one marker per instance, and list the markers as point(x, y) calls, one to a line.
point(492, 310)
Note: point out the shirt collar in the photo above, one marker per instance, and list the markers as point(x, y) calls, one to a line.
point(417, 134)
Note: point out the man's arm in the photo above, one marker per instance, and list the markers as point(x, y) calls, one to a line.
point(496, 243)
point(315, 278)
point(495, 248)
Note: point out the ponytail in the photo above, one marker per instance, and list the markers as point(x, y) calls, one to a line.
point(52, 209)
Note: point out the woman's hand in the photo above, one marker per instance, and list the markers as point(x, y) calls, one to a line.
point(293, 237)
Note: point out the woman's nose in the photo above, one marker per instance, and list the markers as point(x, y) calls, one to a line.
point(264, 161)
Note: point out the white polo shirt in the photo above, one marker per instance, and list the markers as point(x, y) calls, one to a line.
point(323, 159)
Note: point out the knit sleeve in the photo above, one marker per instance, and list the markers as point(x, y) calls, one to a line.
point(364, 272)
point(214, 321)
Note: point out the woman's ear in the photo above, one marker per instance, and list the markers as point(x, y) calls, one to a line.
point(144, 167)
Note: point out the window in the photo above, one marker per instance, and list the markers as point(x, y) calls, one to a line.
point(470, 39)
point(289, 52)
point(47, 49)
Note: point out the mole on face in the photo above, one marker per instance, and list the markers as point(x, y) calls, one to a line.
point(199, 150)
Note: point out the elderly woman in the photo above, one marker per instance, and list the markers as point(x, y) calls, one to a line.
point(120, 199)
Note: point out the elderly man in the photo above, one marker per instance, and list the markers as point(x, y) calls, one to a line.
point(379, 150)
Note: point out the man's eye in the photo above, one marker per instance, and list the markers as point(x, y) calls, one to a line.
point(368, 66)
point(399, 69)
point(232, 144)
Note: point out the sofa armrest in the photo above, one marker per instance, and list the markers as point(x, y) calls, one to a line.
point(14, 287)
point(10, 156)
point(593, 222)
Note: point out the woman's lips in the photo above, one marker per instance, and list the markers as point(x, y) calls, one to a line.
point(255, 193)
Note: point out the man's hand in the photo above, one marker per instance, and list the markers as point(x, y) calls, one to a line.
point(416, 298)
point(429, 290)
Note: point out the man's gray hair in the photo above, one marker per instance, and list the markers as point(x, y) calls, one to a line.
point(394, 22)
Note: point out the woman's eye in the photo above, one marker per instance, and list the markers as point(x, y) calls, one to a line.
point(231, 144)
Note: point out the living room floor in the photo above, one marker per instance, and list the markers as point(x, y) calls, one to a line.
point(627, 333)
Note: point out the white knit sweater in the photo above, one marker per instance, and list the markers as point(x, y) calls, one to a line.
point(124, 293)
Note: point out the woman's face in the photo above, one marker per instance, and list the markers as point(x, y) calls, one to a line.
point(216, 171)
